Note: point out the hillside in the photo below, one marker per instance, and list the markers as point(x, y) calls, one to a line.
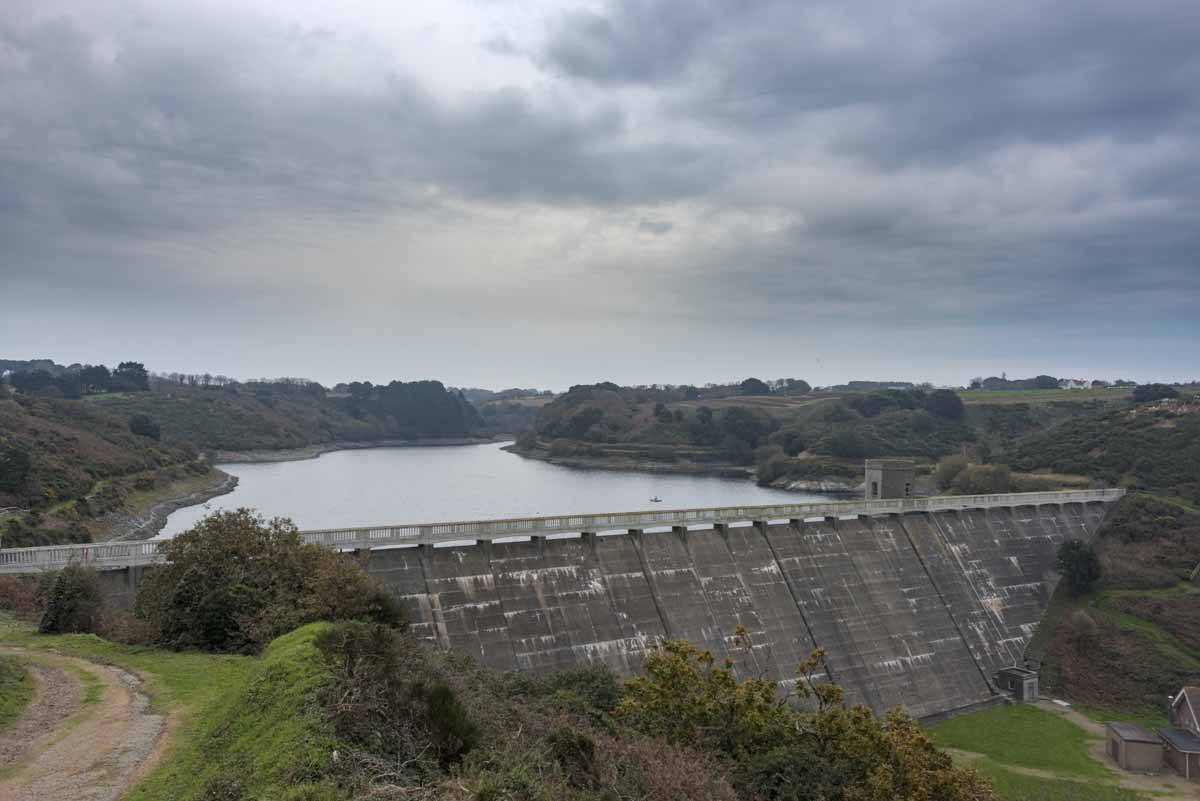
point(73, 469)
point(1152, 446)
point(1120, 649)
point(786, 438)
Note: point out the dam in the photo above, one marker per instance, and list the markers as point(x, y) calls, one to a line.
point(918, 602)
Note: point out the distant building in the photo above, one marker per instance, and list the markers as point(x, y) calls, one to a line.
point(889, 478)
point(1135, 748)
point(1021, 682)
point(1182, 738)
point(1073, 383)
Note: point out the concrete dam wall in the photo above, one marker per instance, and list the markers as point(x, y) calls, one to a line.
point(917, 610)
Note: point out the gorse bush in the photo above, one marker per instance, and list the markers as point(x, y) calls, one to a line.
point(236, 581)
point(421, 723)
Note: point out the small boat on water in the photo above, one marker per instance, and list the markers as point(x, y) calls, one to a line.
point(656, 499)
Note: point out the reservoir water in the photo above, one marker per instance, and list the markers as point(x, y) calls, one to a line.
point(381, 486)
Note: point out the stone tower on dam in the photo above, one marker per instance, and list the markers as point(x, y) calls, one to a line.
point(918, 610)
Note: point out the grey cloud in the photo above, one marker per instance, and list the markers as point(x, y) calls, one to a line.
point(968, 165)
point(655, 227)
point(178, 138)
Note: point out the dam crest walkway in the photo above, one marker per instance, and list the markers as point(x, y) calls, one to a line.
point(118, 555)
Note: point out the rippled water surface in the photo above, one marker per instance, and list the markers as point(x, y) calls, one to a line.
point(466, 482)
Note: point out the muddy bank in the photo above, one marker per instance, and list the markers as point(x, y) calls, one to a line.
point(826, 486)
point(636, 464)
point(125, 526)
point(313, 451)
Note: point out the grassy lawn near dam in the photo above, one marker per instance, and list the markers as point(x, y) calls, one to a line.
point(1032, 754)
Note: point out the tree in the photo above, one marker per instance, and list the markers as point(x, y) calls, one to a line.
point(1079, 566)
point(74, 602)
point(130, 377)
point(704, 415)
point(1152, 392)
point(753, 386)
point(15, 466)
point(235, 581)
point(144, 426)
point(945, 403)
point(94, 378)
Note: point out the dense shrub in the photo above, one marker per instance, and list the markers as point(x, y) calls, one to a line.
point(526, 736)
point(1146, 447)
point(1152, 392)
point(73, 602)
point(945, 403)
point(983, 479)
point(847, 443)
point(235, 581)
point(144, 426)
point(1141, 518)
point(24, 596)
point(686, 697)
point(788, 773)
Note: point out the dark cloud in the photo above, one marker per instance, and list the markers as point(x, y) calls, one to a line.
point(837, 168)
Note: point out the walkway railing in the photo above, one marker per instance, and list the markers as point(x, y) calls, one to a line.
point(126, 554)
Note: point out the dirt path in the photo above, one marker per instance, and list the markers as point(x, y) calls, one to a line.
point(88, 747)
point(55, 696)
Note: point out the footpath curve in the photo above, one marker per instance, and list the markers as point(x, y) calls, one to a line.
point(86, 736)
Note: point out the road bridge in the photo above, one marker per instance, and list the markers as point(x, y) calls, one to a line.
point(116, 555)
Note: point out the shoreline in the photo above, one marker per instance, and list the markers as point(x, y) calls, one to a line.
point(128, 527)
point(723, 470)
point(687, 468)
point(306, 452)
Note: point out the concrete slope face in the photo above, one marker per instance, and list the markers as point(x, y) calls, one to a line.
point(917, 610)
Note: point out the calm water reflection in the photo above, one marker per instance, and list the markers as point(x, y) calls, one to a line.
point(469, 482)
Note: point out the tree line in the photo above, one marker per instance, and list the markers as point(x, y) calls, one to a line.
point(89, 379)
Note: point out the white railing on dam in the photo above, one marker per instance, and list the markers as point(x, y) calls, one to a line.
point(127, 554)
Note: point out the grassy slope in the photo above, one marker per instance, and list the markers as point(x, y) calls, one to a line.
point(1119, 650)
point(249, 718)
point(16, 689)
point(1024, 737)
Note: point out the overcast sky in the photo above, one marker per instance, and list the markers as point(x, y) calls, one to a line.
point(501, 193)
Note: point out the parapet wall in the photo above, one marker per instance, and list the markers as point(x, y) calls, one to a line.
point(917, 610)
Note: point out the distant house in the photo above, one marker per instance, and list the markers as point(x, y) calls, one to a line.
point(1182, 738)
point(1073, 383)
point(1185, 709)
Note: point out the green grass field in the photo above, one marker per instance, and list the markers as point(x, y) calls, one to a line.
point(1016, 787)
point(1022, 736)
point(16, 689)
